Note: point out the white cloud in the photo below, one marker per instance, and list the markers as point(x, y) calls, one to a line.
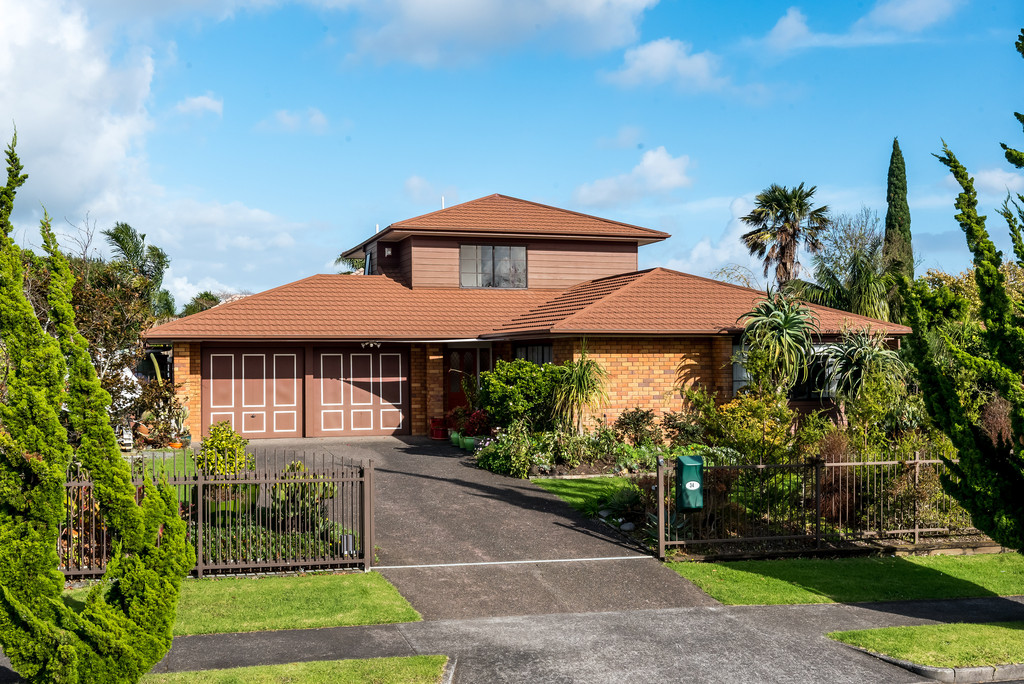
point(712, 253)
point(422, 191)
point(998, 181)
point(671, 61)
point(658, 172)
point(431, 32)
point(200, 104)
point(183, 289)
point(889, 21)
point(312, 120)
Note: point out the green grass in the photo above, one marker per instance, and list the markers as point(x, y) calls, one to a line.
point(237, 604)
point(411, 670)
point(852, 580)
point(585, 495)
point(953, 645)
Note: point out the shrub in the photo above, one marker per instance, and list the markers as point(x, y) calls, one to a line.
point(510, 453)
point(636, 458)
point(477, 424)
point(759, 427)
point(302, 504)
point(158, 407)
point(519, 390)
point(682, 428)
point(637, 426)
point(223, 451)
point(602, 442)
point(456, 418)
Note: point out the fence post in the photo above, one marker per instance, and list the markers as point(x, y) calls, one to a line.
point(200, 495)
point(818, 466)
point(366, 523)
point(917, 489)
point(661, 508)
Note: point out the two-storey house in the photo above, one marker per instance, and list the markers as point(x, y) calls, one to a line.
point(456, 290)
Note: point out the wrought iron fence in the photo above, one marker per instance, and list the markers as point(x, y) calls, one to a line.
point(811, 504)
point(287, 510)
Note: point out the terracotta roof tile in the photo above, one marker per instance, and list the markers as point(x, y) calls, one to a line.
point(345, 307)
point(659, 301)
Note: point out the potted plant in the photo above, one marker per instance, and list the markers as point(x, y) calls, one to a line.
point(477, 425)
point(179, 428)
point(456, 422)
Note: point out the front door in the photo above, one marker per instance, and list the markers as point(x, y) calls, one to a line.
point(465, 363)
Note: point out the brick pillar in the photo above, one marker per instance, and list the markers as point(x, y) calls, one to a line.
point(721, 367)
point(418, 390)
point(187, 364)
point(435, 381)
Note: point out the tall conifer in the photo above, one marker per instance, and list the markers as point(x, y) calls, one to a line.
point(898, 249)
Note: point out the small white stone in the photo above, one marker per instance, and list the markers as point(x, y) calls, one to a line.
point(604, 513)
point(628, 527)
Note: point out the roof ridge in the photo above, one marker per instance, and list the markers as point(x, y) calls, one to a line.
point(579, 213)
point(438, 211)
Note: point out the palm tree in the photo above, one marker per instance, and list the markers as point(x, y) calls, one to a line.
point(867, 287)
point(779, 333)
point(782, 219)
point(144, 265)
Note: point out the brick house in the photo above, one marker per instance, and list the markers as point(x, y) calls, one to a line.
point(456, 290)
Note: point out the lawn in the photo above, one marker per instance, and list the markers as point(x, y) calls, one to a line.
point(852, 580)
point(952, 645)
point(586, 494)
point(243, 604)
point(414, 670)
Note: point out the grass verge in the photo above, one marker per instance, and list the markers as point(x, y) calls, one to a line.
point(586, 494)
point(853, 580)
point(413, 669)
point(243, 604)
point(952, 645)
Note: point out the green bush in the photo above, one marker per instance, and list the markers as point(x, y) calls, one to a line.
point(510, 453)
point(223, 451)
point(637, 426)
point(561, 448)
point(636, 458)
point(520, 390)
point(302, 503)
point(682, 428)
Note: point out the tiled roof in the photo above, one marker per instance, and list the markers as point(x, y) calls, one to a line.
point(501, 214)
point(350, 307)
point(659, 301)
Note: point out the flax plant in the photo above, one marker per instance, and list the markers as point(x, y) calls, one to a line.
point(581, 387)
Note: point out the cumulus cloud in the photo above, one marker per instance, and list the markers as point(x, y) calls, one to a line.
point(658, 172)
point(201, 104)
point(311, 120)
point(998, 182)
point(422, 191)
point(671, 61)
point(889, 21)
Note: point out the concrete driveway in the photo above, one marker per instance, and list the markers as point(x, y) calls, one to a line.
point(461, 542)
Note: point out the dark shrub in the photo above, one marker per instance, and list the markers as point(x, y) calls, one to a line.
point(682, 428)
point(637, 426)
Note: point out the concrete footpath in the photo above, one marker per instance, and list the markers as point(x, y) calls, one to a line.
point(698, 644)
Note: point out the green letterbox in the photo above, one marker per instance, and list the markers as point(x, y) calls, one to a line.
point(689, 483)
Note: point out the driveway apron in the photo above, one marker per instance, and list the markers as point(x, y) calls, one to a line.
point(460, 542)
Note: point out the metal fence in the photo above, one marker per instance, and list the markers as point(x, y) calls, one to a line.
point(282, 510)
point(777, 507)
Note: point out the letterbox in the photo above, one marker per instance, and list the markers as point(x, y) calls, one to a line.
point(689, 483)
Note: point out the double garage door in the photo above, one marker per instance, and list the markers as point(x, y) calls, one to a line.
point(306, 392)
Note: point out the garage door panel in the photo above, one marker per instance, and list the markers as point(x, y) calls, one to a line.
point(391, 379)
point(391, 419)
point(222, 380)
point(362, 419)
point(254, 380)
point(361, 379)
point(285, 421)
point(254, 422)
point(286, 380)
point(358, 391)
point(332, 387)
point(332, 420)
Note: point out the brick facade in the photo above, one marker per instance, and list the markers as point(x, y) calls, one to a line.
point(646, 372)
point(420, 419)
point(434, 377)
point(187, 364)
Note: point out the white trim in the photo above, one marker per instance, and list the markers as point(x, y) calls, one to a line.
point(352, 381)
point(232, 404)
point(294, 379)
point(327, 429)
point(295, 420)
point(341, 366)
point(230, 418)
point(354, 412)
point(401, 419)
point(263, 380)
point(380, 379)
point(263, 421)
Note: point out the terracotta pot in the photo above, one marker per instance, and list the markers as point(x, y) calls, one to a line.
point(174, 445)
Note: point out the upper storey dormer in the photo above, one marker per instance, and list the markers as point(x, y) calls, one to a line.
point(503, 242)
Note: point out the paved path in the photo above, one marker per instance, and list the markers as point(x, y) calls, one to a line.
point(700, 644)
point(435, 507)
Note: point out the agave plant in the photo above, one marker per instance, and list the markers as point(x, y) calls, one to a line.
point(779, 333)
point(857, 356)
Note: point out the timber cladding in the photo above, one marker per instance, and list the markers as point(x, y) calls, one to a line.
point(647, 372)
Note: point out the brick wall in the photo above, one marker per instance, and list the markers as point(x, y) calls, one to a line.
point(643, 372)
point(435, 385)
point(187, 364)
point(418, 390)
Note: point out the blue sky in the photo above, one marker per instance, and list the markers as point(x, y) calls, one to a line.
point(256, 140)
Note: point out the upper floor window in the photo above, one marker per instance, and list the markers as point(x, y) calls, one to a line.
point(492, 266)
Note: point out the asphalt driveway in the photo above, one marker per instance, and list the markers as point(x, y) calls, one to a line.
point(461, 542)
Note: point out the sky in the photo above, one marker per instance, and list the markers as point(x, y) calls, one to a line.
point(255, 140)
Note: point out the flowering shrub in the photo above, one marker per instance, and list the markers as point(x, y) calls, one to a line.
point(510, 453)
point(477, 423)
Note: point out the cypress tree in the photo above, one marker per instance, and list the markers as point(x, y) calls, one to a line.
point(51, 391)
point(898, 249)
